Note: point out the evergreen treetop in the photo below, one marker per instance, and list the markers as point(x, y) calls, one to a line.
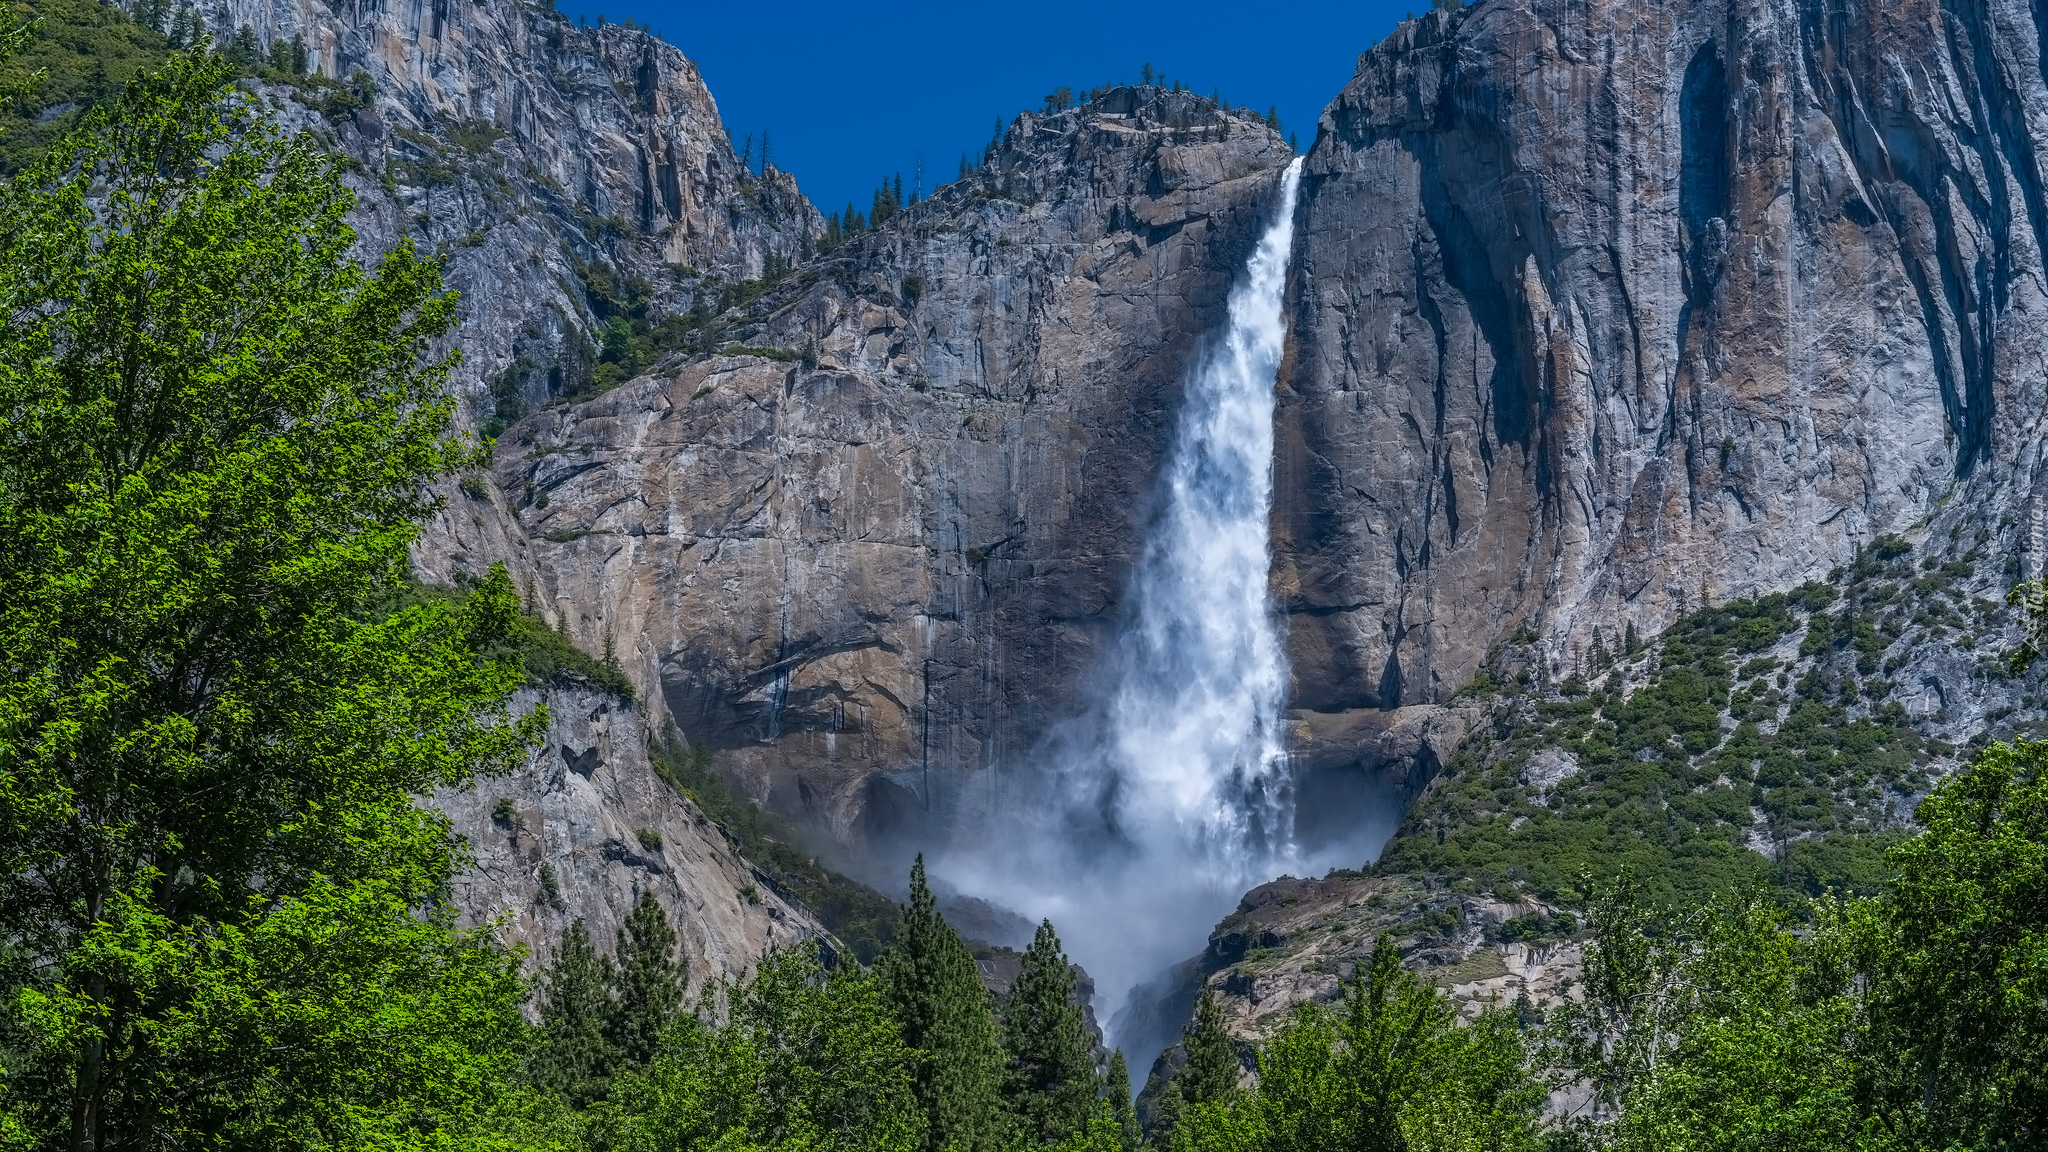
point(1213, 1069)
point(930, 983)
point(578, 1049)
point(1052, 1083)
point(651, 975)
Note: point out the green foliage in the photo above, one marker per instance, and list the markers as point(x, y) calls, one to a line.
point(1914, 1019)
point(864, 919)
point(578, 1049)
point(636, 336)
point(1715, 1026)
point(1116, 1092)
point(807, 1061)
point(546, 657)
point(930, 984)
point(1212, 1070)
point(1051, 1085)
point(216, 436)
point(81, 54)
point(1209, 1072)
point(1959, 950)
point(651, 974)
point(1390, 1067)
point(1676, 774)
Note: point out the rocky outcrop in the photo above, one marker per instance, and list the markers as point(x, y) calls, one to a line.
point(1605, 308)
point(559, 171)
point(564, 173)
point(587, 826)
point(870, 552)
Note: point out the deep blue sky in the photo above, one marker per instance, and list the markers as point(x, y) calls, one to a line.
point(851, 92)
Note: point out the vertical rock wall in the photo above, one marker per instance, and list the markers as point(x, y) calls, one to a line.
point(1606, 307)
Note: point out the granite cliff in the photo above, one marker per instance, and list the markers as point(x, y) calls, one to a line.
point(1605, 309)
point(558, 170)
point(866, 553)
point(1601, 313)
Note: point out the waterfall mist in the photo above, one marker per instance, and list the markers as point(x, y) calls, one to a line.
point(1136, 826)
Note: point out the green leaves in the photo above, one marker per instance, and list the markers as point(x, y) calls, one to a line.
point(217, 436)
point(1958, 959)
point(1390, 1067)
point(807, 1061)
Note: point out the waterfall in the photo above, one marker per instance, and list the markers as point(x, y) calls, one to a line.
point(1195, 745)
point(1151, 815)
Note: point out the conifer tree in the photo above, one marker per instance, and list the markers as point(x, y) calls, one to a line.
point(1116, 1086)
point(1208, 1072)
point(1052, 1085)
point(1213, 1068)
point(577, 1053)
point(930, 984)
point(649, 981)
point(241, 51)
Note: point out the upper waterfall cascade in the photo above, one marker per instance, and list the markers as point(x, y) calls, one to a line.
point(1195, 745)
point(1150, 816)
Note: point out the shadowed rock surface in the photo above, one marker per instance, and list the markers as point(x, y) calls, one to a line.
point(586, 826)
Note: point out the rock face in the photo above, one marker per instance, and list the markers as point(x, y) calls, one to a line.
point(587, 826)
point(555, 168)
point(1598, 310)
point(871, 553)
point(1603, 308)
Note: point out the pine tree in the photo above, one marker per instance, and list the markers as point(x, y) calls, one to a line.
point(242, 50)
point(1116, 1086)
point(1209, 1069)
point(577, 1053)
point(1051, 1085)
point(1213, 1068)
point(649, 983)
point(930, 984)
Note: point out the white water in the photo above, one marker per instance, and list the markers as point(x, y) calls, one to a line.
point(1150, 817)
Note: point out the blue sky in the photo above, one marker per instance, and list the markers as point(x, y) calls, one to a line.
point(849, 93)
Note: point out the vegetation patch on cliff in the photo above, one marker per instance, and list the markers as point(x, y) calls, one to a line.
point(1756, 742)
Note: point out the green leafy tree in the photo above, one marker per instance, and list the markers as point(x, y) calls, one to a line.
point(1955, 958)
point(807, 1063)
point(217, 439)
point(577, 1051)
point(1051, 1085)
point(1715, 1028)
point(930, 984)
point(650, 975)
point(1389, 1068)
